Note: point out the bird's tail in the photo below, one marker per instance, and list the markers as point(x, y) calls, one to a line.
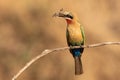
point(78, 65)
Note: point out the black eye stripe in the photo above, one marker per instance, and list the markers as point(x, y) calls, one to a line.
point(69, 16)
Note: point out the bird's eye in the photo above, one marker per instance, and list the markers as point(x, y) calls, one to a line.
point(69, 16)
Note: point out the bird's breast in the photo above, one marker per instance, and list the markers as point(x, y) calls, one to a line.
point(75, 34)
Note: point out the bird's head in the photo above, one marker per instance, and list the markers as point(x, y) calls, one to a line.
point(68, 16)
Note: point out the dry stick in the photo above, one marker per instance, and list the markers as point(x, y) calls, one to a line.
point(47, 51)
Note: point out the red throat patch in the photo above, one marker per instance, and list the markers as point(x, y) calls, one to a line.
point(69, 21)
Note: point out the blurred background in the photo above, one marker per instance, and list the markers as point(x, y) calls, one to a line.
point(27, 28)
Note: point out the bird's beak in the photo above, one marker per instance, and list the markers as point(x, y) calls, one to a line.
point(59, 14)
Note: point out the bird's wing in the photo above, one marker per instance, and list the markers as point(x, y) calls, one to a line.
point(83, 34)
point(67, 35)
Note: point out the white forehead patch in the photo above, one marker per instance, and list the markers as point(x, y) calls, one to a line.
point(66, 12)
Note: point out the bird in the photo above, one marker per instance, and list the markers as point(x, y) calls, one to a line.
point(75, 37)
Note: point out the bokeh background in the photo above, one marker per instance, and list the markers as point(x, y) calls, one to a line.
point(27, 28)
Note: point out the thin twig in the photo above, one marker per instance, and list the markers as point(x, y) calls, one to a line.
point(47, 51)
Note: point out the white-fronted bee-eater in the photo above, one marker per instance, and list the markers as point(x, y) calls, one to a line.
point(75, 37)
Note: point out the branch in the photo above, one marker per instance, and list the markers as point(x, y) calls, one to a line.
point(47, 51)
